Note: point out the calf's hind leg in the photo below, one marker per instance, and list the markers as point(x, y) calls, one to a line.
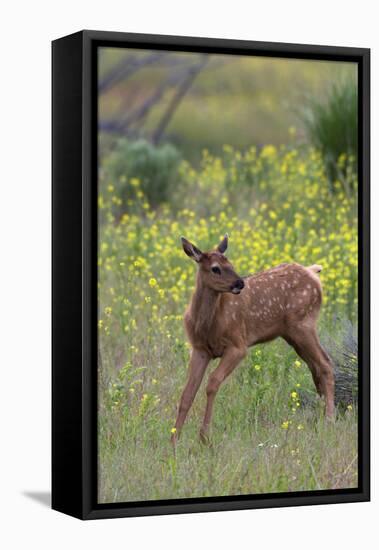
point(307, 345)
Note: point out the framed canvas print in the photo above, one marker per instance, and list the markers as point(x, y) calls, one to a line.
point(210, 274)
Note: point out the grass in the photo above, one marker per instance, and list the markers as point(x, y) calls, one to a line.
point(269, 432)
point(261, 441)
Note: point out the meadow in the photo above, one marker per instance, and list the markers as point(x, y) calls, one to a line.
point(269, 432)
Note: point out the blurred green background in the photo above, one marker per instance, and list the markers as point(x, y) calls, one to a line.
point(198, 101)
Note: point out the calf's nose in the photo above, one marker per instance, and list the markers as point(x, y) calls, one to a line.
point(239, 284)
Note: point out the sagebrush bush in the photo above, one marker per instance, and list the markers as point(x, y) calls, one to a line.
point(344, 353)
point(331, 123)
point(342, 346)
point(155, 167)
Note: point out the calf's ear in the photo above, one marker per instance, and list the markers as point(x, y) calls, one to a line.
point(191, 250)
point(223, 244)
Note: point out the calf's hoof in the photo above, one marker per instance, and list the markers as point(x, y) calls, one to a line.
point(204, 438)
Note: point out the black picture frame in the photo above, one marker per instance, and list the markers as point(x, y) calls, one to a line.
point(74, 295)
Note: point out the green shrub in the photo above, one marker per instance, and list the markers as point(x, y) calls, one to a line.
point(331, 124)
point(156, 168)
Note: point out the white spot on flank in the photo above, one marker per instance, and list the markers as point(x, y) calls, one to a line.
point(305, 292)
point(233, 316)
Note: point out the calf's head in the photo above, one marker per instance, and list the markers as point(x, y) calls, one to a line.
point(215, 270)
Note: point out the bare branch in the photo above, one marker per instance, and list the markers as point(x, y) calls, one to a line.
point(140, 112)
point(178, 96)
point(127, 67)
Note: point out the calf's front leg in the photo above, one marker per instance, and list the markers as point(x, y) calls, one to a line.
point(198, 363)
point(229, 361)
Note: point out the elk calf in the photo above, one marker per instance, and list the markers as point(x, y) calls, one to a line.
point(228, 314)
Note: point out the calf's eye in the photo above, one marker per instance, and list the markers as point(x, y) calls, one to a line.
point(216, 269)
